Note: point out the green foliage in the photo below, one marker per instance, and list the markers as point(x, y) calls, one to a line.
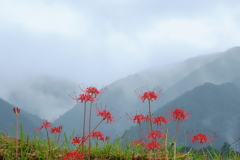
point(35, 148)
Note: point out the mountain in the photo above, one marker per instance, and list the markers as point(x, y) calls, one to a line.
point(174, 80)
point(44, 96)
point(7, 118)
point(214, 108)
point(222, 69)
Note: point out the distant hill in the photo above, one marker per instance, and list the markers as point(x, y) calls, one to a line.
point(223, 68)
point(7, 118)
point(175, 80)
point(214, 108)
point(44, 96)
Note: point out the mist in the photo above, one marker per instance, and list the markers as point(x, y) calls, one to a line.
point(92, 43)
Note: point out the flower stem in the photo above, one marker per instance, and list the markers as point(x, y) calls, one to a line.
point(140, 130)
point(58, 137)
point(89, 127)
point(174, 150)
point(178, 122)
point(95, 128)
point(202, 150)
point(16, 135)
point(48, 140)
point(165, 145)
point(150, 114)
point(84, 122)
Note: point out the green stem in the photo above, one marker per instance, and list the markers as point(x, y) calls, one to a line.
point(55, 138)
point(84, 122)
point(16, 135)
point(58, 137)
point(178, 122)
point(165, 145)
point(140, 130)
point(202, 150)
point(174, 150)
point(95, 128)
point(150, 114)
point(48, 140)
point(89, 127)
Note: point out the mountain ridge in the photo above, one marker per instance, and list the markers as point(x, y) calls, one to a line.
point(7, 117)
point(122, 97)
point(205, 103)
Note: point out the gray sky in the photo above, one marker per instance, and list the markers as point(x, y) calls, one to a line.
point(101, 41)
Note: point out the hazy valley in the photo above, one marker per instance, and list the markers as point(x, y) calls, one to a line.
point(205, 84)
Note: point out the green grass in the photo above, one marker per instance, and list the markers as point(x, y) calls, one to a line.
point(38, 149)
point(155, 146)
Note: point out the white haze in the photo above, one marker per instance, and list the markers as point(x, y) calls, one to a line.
point(99, 42)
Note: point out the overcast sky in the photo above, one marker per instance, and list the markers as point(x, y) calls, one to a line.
point(100, 41)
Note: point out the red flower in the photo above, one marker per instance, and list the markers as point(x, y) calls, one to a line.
point(78, 140)
point(137, 118)
point(155, 134)
point(202, 138)
point(149, 95)
point(153, 145)
point(44, 125)
point(98, 135)
point(106, 138)
point(138, 142)
point(73, 154)
point(181, 154)
point(148, 118)
point(93, 90)
point(160, 120)
point(179, 114)
point(60, 128)
point(56, 129)
point(106, 115)
point(16, 110)
point(82, 98)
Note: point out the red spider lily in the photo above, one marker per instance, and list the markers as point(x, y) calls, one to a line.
point(56, 129)
point(149, 95)
point(155, 135)
point(106, 115)
point(148, 118)
point(97, 134)
point(181, 154)
point(153, 145)
point(105, 139)
point(44, 125)
point(73, 155)
point(179, 114)
point(60, 128)
point(202, 138)
point(78, 140)
point(138, 142)
point(160, 120)
point(82, 98)
point(137, 118)
point(16, 110)
point(94, 91)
